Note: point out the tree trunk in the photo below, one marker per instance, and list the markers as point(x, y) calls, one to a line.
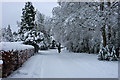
point(109, 32)
point(104, 36)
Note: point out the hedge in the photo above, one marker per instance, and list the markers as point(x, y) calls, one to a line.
point(12, 60)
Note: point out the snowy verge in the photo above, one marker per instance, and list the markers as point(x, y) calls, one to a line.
point(7, 46)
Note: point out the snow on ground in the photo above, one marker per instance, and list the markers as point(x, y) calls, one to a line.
point(50, 64)
point(6, 46)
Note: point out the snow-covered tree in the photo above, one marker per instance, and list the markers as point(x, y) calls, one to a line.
point(110, 28)
point(28, 28)
point(28, 20)
point(43, 26)
point(75, 25)
point(15, 36)
point(3, 35)
point(6, 35)
point(84, 26)
point(40, 21)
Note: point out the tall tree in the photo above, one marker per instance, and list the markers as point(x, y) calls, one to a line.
point(84, 26)
point(28, 19)
point(42, 27)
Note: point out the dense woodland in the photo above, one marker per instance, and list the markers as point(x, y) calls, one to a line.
point(82, 27)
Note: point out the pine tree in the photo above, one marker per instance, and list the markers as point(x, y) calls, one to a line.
point(6, 35)
point(28, 17)
point(15, 36)
point(27, 30)
point(9, 33)
point(28, 20)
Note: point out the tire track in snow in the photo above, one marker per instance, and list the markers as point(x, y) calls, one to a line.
point(42, 66)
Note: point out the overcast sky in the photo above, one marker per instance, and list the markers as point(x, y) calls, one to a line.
point(12, 11)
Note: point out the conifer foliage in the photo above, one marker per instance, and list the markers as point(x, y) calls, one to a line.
point(28, 31)
point(28, 20)
point(6, 35)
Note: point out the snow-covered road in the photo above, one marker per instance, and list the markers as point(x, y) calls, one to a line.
point(50, 64)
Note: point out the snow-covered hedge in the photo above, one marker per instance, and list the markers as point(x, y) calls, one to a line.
point(14, 54)
point(8, 46)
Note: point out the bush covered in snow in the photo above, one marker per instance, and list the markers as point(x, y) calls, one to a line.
point(106, 54)
point(53, 44)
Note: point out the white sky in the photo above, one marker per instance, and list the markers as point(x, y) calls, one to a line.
point(12, 11)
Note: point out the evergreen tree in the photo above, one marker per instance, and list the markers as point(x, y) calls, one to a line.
point(9, 33)
point(28, 17)
point(15, 36)
point(6, 35)
point(28, 32)
point(28, 20)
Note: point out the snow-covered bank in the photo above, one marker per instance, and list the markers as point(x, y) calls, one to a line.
point(6, 46)
point(50, 64)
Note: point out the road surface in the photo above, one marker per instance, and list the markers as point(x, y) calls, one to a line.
point(51, 64)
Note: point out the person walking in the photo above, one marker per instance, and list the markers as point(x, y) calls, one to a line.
point(59, 48)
